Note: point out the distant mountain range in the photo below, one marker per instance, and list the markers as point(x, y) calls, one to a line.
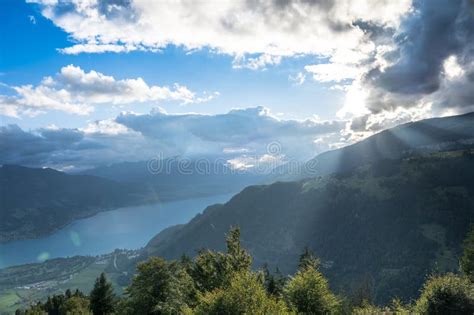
point(178, 178)
point(35, 202)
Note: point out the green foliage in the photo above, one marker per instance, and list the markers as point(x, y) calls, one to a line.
point(76, 305)
point(448, 294)
point(61, 304)
point(160, 287)
point(308, 259)
point(102, 297)
point(308, 292)
point(467, 260)
point(237, 257)
point(244, 295)
point(212, 270)
point(274, 283)
point(396, 308)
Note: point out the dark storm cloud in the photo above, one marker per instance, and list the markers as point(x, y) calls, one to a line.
point(436, 30)
point(35, 148)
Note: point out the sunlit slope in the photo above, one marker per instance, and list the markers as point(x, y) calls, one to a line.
point(388, 224)
point(425, 136)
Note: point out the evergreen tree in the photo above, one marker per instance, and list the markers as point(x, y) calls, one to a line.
point(448, 294)
point(308, 293)
point(308, 259)
point(160, 287)
point(75, 305)
point(102, 298)
point(213, 270)
point(274, 283)
point(238, 257)
point(467, 260)
point(245, 294)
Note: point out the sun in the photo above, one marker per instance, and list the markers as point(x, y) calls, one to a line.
point(354, 102)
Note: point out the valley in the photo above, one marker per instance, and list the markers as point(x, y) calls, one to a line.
point(129, 227)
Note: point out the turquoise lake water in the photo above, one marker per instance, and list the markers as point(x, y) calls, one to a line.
point(128, 228)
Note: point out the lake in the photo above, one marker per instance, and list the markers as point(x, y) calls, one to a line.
point(129, 227)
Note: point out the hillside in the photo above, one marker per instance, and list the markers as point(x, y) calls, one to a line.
point(35, 202)
point(420, 137)
point(386, 225)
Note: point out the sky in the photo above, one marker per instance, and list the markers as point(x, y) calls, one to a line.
point(94, 82)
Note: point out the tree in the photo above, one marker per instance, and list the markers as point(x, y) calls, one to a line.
point(213, 270)
point(102, 297)
point(274, 283)
point(448, 294)
point(75, 306)
point(160, 287)
point(467, 260)
point(308, 259)
point(238, 257)
point(308, 293)
point(53, 304)
point(245, 294)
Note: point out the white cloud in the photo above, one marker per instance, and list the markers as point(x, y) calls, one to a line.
point(452, 69)
point(297, 79)
point(272, 28)
point(260, 62)
point(333, 72)
point(95, 48)
point(75, 91)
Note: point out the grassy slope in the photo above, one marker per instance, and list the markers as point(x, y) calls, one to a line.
point(22, 285)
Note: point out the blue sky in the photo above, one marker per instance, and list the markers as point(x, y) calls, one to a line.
point(81, 80)
point(30, 52)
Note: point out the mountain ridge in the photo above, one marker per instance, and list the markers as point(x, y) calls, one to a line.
point(54, 199)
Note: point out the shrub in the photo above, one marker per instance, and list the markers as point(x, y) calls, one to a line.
point(448, 294)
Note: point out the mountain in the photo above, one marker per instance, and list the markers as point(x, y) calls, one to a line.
point(389, 223)
point(35, 202)
point(382, 222)
point(176, 178)
point(425, 136)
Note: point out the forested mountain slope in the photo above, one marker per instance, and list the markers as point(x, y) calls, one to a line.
point(424, 136)
point(384, 225)
point(35, 202)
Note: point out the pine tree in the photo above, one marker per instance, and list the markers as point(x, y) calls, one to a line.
point(308, 293)
point(308, 259)
point(238, 257)
point(160, 287)
point(274, 283)
point(102, 297)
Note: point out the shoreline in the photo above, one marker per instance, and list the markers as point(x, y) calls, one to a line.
point(50, 232)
